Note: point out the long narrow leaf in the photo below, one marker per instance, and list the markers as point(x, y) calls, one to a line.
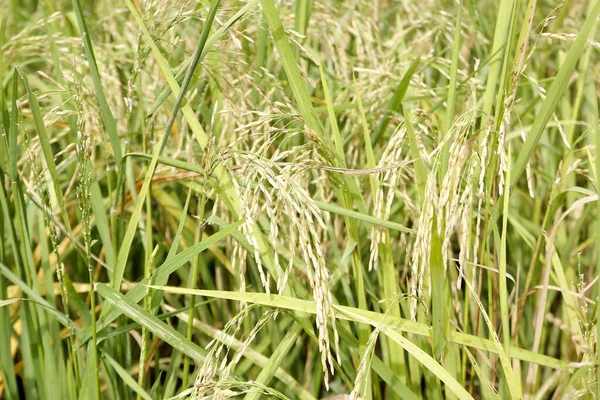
point(153, 324)
point(400, 324)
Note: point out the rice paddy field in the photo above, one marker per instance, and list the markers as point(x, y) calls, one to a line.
point(299, 199)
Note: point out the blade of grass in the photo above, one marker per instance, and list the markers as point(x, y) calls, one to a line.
point(13, 149)
point(395, 102)
point(503, 291)
point(266, 374)
point(499, 47)
point(4, 303)
point(486, 386)
point(99, 213)
point(424, 358)
point(400, 324)
point(124, 375)
point(150, 322)
point(34, 296)
point(368, 219)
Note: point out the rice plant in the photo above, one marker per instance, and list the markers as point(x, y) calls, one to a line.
point(299, 199)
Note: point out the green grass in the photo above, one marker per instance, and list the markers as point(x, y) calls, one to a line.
point(299, 199)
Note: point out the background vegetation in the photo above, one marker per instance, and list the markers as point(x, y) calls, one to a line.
point(299, 199)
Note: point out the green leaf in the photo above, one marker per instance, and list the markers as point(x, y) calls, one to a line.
point(150, 322)
point(395, 102)
point(36, 297)
point(335, 209)
point(276, 359)
point(125, 376)
point(13, 153)
point(4, 303)
point(351, 313)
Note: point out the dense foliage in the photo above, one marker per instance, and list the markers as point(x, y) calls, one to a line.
point(299, 199)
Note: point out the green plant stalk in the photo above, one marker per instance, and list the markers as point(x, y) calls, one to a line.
point(466, 299)
point(421, 181)
point(192, 280)
point(451, 100)
point(94, 337)
point(148, 269)
point(503, 291)
point(437, 277)
point(7, 370)
point(85, 177)
point(501, 42)
point(54, 365)
point(303, 9)
point(31, 318)
point(517, 67)
point(390, 286)
point(597, 136)
point(148, 258)
point(338, 149)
